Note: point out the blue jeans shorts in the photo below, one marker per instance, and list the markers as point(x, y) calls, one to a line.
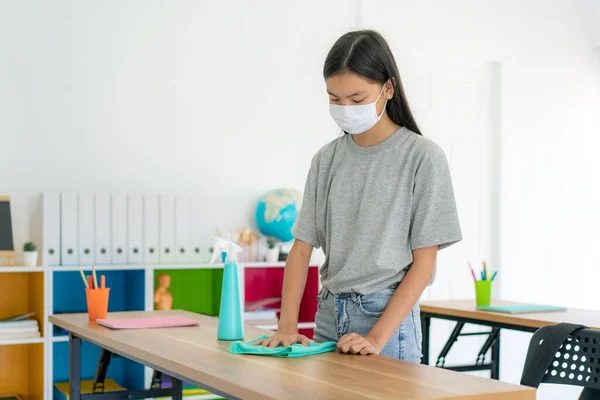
point(339, 314)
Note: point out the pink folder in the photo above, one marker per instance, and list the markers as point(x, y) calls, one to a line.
point(146, 323)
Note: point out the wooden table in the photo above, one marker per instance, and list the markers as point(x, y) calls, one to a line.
point(465, 311)
point(194, 355)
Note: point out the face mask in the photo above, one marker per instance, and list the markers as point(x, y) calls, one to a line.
point(357, 119)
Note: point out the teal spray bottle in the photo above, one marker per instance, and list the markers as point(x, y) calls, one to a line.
point(231, 322)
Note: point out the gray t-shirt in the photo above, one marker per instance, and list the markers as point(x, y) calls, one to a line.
point(370, 207)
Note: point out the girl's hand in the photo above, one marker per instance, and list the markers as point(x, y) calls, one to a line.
point(355, 344)
point(283, 339)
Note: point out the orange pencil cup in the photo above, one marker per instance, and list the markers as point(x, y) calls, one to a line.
point(97, 303)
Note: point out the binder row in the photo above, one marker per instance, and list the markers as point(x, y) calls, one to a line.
point(121, 229)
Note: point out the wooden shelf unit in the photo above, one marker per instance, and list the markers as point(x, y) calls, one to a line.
point(22, 360)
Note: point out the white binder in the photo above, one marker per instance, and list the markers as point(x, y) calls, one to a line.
point(51, 228)
point(135, 229)
point(68, 229)
point(151, 229)
point(167, 229)
point(86, 228)
point(199, 250)
point(102, 242)
point(182, 229)
point(119, 228)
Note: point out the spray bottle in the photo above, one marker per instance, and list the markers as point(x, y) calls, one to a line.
point(231, 323)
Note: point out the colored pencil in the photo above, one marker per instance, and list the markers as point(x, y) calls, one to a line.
point(494, 275)
point(85, 282)
point(103, 281)
point(485, 272)
point(94, 275)
point(90, 283)
point(472, 272)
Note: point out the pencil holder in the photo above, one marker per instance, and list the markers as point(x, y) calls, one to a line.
point(483, 293)
point(97, 303)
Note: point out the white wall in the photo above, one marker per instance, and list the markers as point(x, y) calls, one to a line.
point(216, 98)
point(589, 10)
point(228, 100)
point(550, 125)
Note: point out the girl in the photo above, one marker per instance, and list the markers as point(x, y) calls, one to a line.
point(379, 200)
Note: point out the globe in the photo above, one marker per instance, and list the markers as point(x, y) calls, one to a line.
point(276, 213)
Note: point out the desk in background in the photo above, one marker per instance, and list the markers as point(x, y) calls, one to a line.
point(195, 355)
point(465, 311)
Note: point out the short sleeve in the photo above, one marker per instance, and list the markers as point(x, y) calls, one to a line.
point(434, 219)
point(305, 227)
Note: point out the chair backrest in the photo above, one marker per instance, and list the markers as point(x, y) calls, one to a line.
point(575, 362)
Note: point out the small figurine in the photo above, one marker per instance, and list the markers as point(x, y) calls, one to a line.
point(163, 299)
point(247, 238)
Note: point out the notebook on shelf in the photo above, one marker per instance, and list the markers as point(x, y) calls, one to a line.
point(147, 323)
point(18, 318)
point(19, 335)
point(29, 323)
point(20, 329)
point(522, 308)
point(260, 315)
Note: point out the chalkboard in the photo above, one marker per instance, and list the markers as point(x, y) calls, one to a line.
point(6, 236)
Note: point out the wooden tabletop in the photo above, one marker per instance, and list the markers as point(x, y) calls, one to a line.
point(467, 309)
point(196, 356)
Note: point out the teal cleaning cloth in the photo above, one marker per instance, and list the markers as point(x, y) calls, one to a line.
point(293, 351)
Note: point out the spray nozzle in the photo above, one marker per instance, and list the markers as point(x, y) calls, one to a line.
point(226, 246)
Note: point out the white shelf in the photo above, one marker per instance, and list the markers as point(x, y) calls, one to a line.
point(267, 327)
point(252, 264)
point(301, 325)
point(186, 266)
point(262, 264)
point(306, 325)
point(68, 268)
point(6, 269)
point(22, 341)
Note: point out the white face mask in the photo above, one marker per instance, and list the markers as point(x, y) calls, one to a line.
point(357, 119)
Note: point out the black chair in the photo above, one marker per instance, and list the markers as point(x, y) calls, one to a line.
point(565, 354)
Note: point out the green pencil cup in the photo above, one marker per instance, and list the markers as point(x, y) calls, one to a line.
point(483, 293)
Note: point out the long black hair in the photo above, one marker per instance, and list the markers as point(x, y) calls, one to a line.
point(367, 54)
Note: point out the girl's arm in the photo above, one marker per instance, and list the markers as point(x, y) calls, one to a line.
point(408, 293)
point(296, 270)
point(412, 286)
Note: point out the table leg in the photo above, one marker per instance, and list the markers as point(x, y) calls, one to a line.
point(74, 367)
point(425, 325)
point(495, 371)
point(177, 389)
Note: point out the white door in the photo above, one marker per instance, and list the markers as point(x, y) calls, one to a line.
point(459, 109)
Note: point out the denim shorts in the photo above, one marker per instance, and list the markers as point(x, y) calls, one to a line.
point(339, 314)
